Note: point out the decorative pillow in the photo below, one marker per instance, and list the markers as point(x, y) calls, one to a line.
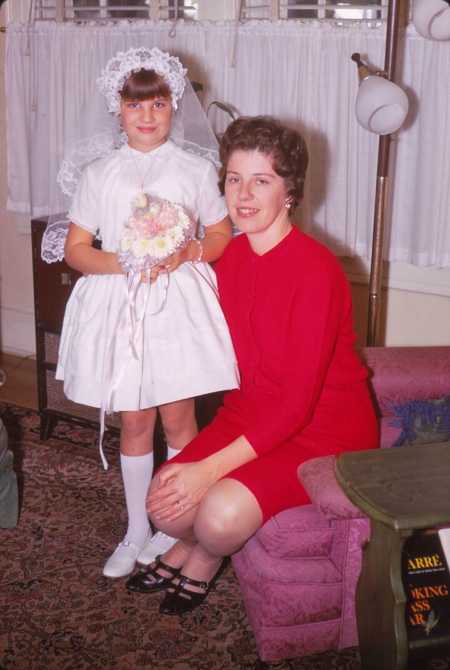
point(423, 421)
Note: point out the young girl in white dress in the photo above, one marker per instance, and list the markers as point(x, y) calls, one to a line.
point(183, 348)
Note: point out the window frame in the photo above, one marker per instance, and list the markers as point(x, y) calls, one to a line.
point(337, 10)
point(66, 10)
point(241, 10)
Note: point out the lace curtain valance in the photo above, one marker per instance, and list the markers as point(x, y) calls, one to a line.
point(300, 72)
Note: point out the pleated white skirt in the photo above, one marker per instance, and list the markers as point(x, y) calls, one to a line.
point(182, 347)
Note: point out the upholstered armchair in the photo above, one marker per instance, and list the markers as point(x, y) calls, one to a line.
point(299, 572)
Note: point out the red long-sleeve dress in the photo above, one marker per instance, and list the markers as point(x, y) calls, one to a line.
point(303, 389)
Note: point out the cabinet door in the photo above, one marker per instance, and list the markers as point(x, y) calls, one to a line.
point(53, 283)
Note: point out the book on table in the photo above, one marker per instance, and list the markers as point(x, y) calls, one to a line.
point(426, 580)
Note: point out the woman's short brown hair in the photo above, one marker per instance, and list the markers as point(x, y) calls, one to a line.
point(285, 146)
point(145, 85)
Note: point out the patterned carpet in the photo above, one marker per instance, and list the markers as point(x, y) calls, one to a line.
point(57, 612)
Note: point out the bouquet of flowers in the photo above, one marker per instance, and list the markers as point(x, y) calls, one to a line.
point(155, 230)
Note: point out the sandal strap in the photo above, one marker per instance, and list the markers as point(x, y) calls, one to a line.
point(158, 563)
point(192, 582)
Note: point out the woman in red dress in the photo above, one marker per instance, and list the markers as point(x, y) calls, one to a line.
point(303, 390)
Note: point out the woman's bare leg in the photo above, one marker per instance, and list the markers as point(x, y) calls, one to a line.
point(227, 517)
point(180, 427)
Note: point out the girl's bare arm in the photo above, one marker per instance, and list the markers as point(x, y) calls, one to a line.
point(82, 256)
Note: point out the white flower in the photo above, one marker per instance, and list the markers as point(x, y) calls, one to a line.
point(126, 244)
point(183, 219)
point(141, 247)
point(160, 246)
point(140, 201)
point(153, 210)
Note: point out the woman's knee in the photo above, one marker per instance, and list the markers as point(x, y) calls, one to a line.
point(180, 528)
point(227, 516)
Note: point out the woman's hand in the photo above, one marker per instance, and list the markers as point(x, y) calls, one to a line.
point(178, 488)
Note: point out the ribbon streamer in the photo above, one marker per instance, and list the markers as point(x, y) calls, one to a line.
point(131, 330)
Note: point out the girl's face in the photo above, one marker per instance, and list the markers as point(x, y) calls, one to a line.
point(255, 194)
point(146, 122)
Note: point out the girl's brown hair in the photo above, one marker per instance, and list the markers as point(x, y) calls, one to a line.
point(285, 146)
point(144, 85)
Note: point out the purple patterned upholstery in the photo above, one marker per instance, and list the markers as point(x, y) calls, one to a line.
point(298, 573)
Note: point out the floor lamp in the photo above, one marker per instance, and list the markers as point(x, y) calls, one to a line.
point(382, 118)
point(382, 184)
point(431, 19)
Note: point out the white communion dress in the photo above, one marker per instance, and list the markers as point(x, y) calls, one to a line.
point(183, 348)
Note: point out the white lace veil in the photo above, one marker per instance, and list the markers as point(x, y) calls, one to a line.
point(98, 133)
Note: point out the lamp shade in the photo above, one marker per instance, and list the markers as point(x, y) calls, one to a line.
point(431, 18)
point(381, 105)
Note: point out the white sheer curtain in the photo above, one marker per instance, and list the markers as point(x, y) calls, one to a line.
point(300, 72)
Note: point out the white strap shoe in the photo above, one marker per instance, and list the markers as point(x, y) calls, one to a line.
point(122, 561)
point(155, 546)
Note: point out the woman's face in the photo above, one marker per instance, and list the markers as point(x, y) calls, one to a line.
point(146, 122)
point(254, 193)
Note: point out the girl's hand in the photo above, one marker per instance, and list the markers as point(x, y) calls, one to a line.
point(179, 488)
point(169, 265)
point(191, 252)
point(209, 249)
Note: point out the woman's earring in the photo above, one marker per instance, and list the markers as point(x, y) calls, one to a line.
point(288, 203)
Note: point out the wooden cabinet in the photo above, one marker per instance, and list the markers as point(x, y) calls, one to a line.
point(53, 283)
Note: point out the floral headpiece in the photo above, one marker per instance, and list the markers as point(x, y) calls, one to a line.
point(119, 68)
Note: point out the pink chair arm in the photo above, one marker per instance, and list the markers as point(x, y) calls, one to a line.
point(320, 483)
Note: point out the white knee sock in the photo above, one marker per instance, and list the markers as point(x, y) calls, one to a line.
point(172, 452)
point(136, 474)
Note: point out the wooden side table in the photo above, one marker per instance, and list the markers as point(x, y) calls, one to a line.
point(401, 490)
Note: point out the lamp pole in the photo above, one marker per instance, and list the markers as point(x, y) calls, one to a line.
point(382, 183)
